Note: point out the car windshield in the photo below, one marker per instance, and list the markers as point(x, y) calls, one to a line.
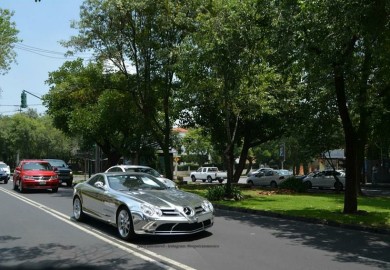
point(57, 163)
point(39, 166)
point(134, 182)
point(2, 165)
point(150, 171)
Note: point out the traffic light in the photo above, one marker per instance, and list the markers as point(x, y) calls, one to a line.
point(23, 100)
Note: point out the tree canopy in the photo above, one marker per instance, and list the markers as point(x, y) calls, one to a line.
point(8, 36)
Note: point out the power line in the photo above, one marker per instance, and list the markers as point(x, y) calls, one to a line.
point(46, 53)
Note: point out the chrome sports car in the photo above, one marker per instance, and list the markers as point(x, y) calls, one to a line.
point(137, 203)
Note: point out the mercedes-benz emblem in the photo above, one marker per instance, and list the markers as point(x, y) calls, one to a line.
point(187, 210)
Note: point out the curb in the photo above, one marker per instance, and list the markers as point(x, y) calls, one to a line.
point(304, 219)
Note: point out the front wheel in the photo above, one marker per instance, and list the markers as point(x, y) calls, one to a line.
point(54, 190)
point(5, 181)
point(78, 209)
point(250, 182)
point(125, 224)
point(21, 189)
point(273, 184)
point(338, 186)
point(15, 185)
point(308, 184)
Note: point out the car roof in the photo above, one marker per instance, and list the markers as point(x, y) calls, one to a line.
point(34, 160)
point(130, 166)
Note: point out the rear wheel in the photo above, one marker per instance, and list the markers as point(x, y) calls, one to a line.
point(209, 179)
point(78, 209)
point(220, 181)
point(125, 224)
point(193, 178)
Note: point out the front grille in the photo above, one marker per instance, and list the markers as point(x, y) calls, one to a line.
point(183, 227)
point(199, 210)
point(169, 212)
point(37, 178)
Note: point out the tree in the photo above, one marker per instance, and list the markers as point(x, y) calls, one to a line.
point(86, 102)
point(198, 145)
point(8, 36)
point(343, 48)
point(145, 36)
point(229, 88)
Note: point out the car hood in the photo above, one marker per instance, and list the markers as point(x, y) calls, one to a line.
point(165, 198)
point(62, 169)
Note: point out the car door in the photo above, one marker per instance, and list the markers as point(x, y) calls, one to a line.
point(94, 197)
point(317, 179)
point(269, 176)
point(257, 178)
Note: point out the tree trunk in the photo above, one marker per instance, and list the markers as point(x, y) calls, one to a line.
point(350, 197)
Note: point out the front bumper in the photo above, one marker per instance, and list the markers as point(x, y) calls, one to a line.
point(39, 184)
point(178, 225)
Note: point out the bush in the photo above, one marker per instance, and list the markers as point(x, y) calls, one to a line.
point(294, 184)
point(218, 192)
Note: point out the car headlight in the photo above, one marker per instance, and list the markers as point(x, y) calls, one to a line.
point(207, 206)
point(150, 210)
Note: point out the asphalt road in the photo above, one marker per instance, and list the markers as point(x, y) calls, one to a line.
point(37, 232)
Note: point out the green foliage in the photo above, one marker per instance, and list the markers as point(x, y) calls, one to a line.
point(8, 36)
point(293, 184)
point(218, 192)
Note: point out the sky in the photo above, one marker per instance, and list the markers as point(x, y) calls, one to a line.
point(41, 26)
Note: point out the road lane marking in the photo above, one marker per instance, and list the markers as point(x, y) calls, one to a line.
point(125, 246)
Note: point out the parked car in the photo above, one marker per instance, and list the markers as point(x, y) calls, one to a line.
point(325, 179)
point(138, 203)
point(259, 170)
point(35, 174)
point(208, 173)
point(5, 167)
point(271, 178)
point(65, 173)
point(144, 169)
point(3, 176)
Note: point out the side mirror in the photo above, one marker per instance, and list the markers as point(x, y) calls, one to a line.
point(99, 185)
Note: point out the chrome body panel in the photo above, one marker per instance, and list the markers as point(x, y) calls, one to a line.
point(176, 211)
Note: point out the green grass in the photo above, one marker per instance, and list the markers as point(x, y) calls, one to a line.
point(372, 211)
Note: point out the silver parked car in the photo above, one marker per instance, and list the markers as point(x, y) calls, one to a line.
point(144, 169)
point(271, 178)
point(138, 203)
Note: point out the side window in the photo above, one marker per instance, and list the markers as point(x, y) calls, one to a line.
point(96, 178)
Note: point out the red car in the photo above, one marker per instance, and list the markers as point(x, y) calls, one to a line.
point(35, 174)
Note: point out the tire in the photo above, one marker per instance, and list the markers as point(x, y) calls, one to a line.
point(203, 180)
point(6, 181)
point(193, 178)
point(78, 213)
point(338, 186)
point(273, 184)
point(21, 189)
point(250, 182)
point(308, 184)
point(124, 224)
point(69, 183)
point(54, 190)
point(220, 181)
point(209, 179)
point(15, 185)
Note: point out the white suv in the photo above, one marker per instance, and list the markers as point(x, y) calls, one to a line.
point(5, 168)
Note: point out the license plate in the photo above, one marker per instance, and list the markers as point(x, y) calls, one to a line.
point(42, 182)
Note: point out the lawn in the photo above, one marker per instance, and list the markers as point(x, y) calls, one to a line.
point(328, 207)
